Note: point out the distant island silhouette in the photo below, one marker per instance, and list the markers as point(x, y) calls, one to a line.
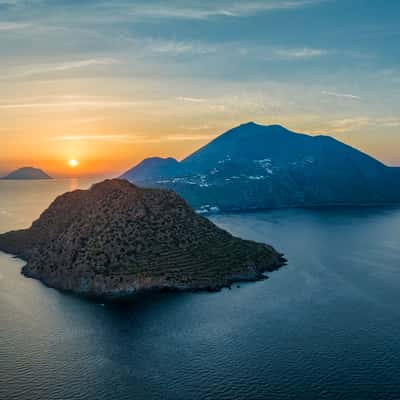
point(258, 167)
point(27, 173)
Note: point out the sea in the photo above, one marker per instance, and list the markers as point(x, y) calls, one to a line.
point(325, 326)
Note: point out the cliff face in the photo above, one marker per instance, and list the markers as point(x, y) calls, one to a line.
point(116, 240)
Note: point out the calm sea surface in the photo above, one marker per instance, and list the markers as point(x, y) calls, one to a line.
point(327, 326)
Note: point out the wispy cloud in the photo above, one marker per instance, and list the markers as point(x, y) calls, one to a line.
point(184, 13)
point(220, 9)
point(388, 122)
point(13, 26)
point(188, 138)
point(255, 7)
point(99, 138)
point(64, 66)
point(71, 104)
point(129, 138)
point(341, 95)
point(196, 128)
point(358, 122)
point(20, 3)
point(348, 124)
point(176, 48)
point(191, 99)
point(5, 212)
point(88, 120)
point(9, 2)
point(299, 53)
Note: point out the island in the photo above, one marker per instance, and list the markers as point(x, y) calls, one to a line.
point(254, 166)
point(117, 240)
point(27, 173)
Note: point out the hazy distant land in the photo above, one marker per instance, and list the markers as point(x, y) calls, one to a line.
point(27, 173)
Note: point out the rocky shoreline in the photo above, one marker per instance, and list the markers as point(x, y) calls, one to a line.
point(136, 290)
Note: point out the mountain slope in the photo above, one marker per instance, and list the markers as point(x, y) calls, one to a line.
point(152, 168)
point(27, 173)
point(254, 166)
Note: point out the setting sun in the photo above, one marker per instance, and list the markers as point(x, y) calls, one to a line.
point(73, 163)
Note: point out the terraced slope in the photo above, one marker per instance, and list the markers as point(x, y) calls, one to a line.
point(117, 239)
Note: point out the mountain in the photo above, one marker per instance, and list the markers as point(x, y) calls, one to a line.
point(116, 240)
point(254, 167)
point(155, 167)
point(27, 173)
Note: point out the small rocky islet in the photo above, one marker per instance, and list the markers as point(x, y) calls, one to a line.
point(116, 240)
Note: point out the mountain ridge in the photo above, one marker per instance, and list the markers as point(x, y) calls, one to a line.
point(270, 167)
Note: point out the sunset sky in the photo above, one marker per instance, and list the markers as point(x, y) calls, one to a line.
point(108, 83)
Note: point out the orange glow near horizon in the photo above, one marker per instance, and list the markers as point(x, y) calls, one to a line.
point(85, 120)
point(104, 155)
point(83, 143)
point(98, 153)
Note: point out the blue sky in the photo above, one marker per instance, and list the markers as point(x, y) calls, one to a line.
point(169, 75)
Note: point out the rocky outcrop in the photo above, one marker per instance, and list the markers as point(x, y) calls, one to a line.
point(117, 240)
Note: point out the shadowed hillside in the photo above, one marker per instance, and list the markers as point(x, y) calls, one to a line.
point(254, 167)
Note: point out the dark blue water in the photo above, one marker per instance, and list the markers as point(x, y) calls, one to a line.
point(326, 326)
